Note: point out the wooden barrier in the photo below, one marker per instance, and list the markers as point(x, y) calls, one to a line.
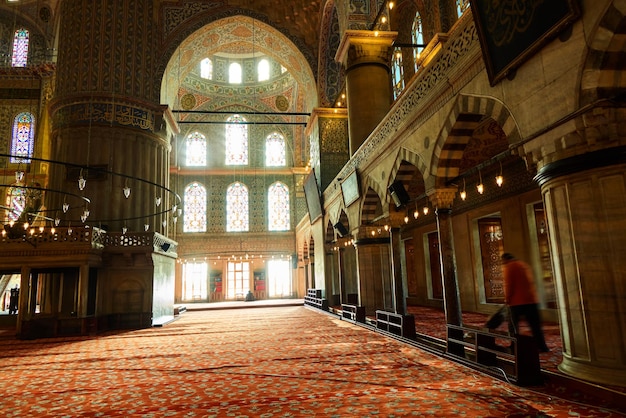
point(353, 313)
point(518, 358)
point(397, 324)
point(314, 298)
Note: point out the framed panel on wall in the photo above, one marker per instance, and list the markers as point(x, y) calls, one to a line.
point(512, 31)
point(350, 189)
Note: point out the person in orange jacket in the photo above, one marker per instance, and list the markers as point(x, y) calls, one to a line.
point(521, 297)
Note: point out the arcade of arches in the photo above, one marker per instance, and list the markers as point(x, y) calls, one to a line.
point(157, 152)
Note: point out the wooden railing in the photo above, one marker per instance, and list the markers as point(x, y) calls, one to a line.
point(516, 356)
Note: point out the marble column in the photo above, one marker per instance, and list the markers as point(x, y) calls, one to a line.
point(365, 56)
point(399, 298)
point(441, 199)
point(585, 202)
point(107, 123)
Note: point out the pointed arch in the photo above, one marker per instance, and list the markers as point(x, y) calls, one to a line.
point(467, 114)
point(602, 76)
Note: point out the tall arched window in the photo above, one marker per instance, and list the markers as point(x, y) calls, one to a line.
point(275, 150)
point(195, 200)
point(195, 149)
point(278, 207)
point(234, 73)
point(397, 73)
point(23, 141)
point(263, 70)
point(206, 69)
point(417, 37)
point(237, 207)
point(20, 48)
point(236, 145)
point(462, 6)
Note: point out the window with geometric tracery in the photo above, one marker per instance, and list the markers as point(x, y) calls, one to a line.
point(278, 207)
point(23, 141)
point(275, 150)
point(20, 48)
point(15, 202)
point(397, 73)
point(237, 208)
point(195, 150)
point(417, 38)
point(236, 144)
point(195, 201)
point(206, 69)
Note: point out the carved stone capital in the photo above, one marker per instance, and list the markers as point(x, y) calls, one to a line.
point(442, 197)
point(365, 47)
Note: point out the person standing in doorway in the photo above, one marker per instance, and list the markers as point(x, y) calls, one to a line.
point(521, 297)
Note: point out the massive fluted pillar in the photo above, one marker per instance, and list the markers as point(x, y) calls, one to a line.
point(107, 122)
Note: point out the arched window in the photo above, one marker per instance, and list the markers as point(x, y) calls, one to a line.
point(461, 6)
point(15, 202)
point(278, 207)
point(237, 207)
point(195, 149)
point(397, 73)
point(263, 70)
point(236, 145)
point(275, 150)
point(417, 37)
point(195, 201)
point(206, 69)
point(234, 73)
point(20, 48)
point(23, 141)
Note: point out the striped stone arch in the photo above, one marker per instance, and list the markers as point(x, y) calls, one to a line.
point(460, 124)
point(373, 195)
point(603, 73)
point(399, 171)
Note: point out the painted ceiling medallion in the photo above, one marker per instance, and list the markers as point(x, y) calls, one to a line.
point(188, 101)
point(282, 103)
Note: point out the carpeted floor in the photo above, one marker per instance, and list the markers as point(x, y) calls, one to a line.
point(264, 362)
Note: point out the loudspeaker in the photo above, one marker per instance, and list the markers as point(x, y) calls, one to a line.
point(341, 229)
point(165, 246)
point(398, 193)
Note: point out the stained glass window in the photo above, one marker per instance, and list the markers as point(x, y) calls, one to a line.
point(275, 150)
point(23, 140)
point(263, 70)
point(234, 73)
point(237, 207)
point(236, 141)
point(417, 37)
point(20, 48)
point(195, 201)
point(195, 149)
point(461, 6)
point(278, 207)
point(206, 69)
point(15, 202)
point(397, 73)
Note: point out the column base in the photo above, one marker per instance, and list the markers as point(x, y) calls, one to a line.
point(609, 375)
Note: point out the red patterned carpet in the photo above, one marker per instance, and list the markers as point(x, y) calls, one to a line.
point(263, 362)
